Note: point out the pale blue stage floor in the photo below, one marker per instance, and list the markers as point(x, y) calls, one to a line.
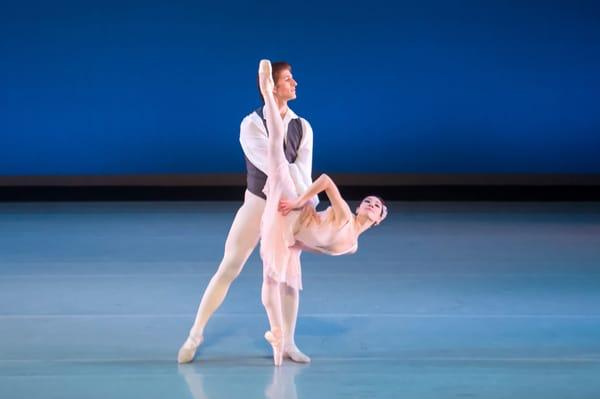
point(444, 300)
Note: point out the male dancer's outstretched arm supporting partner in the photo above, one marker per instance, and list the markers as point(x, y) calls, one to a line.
point(245, 231)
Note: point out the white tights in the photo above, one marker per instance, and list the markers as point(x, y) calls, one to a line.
point(241, 241)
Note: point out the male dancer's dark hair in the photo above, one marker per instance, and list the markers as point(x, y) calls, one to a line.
point(277, 66)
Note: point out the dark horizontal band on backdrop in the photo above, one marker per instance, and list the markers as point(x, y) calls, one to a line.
point(422, 192)
point(342, 179)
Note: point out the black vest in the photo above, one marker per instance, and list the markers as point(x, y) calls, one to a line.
point(255, 178)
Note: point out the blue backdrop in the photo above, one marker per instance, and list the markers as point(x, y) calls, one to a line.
point(428, 86)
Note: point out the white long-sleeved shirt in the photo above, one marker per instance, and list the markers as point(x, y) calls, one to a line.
point(254, 141)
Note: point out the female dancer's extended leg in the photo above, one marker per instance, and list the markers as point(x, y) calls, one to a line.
point(276, 296)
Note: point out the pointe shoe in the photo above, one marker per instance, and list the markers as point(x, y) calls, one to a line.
point(265, 77)
point(188, 349)
point(276, 341)
point(295, 355)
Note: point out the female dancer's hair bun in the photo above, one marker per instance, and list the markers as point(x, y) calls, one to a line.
point(384, 211)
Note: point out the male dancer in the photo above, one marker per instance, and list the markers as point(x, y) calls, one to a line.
point(245, 230)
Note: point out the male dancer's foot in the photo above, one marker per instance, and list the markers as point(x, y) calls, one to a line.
point(188, 349)
point(292, 352)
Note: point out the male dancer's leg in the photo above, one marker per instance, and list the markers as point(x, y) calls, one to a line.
point(241, 240)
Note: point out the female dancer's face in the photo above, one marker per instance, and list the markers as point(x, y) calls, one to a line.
point(285, 87)
point(371, 207)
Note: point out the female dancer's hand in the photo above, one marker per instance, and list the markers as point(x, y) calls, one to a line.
point(286, 206)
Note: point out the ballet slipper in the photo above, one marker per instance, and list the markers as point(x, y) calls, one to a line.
point(188, 349)
point(265, 77)
point(295, 355)
point(275, 338)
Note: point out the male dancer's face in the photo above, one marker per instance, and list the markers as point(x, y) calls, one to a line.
point(285, 87)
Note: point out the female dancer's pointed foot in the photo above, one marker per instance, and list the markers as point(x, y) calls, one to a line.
point(265, 77)
point(188, 349)
point(295, 355)
point(275, 338)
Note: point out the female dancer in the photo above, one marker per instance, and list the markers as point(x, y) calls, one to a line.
point(290, 225)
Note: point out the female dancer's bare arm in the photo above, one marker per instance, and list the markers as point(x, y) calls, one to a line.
point(323, 183)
